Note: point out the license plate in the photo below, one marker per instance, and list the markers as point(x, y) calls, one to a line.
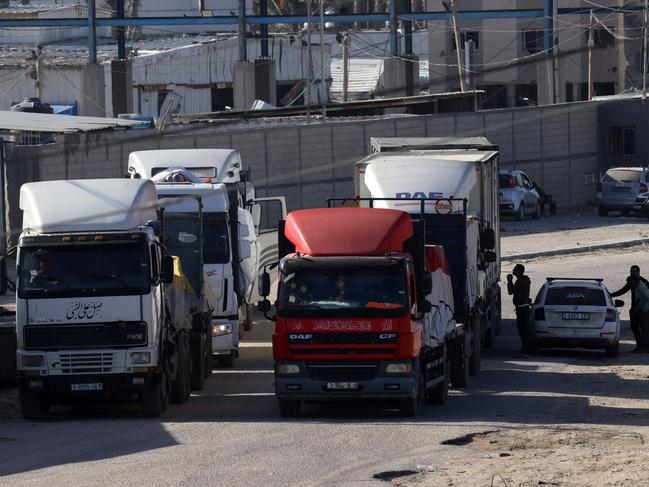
point(342, 386)
point(576, 316)
point(96, 386)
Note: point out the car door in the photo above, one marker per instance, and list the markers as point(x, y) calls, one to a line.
point(531, 196)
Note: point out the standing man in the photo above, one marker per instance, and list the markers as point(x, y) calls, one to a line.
point(521, 297)
point(634, 318)
point(640, 308)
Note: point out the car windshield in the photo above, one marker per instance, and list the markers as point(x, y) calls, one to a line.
point(360, 291)
point(84, 270)
point(216, 245)
point(575, 296)
point(622, 176)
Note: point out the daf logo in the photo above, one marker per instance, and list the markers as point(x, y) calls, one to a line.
point(300, 336)
point(387, 336)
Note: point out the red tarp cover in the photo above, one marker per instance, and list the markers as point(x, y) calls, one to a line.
point(348, 231)
point(436, 258)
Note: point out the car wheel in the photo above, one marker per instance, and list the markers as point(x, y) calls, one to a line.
point(537, 212)
point(613, 350)
point(521, 213)
point(602, 211)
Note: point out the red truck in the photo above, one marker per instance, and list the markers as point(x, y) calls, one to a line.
point(364, 310)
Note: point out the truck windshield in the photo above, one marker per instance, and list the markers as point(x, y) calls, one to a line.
point(348, 292)
point(216, 243)
point(84, 270)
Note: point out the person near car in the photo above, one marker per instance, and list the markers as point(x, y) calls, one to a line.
point(641, 307)
point(634, 318)
point(520, 292)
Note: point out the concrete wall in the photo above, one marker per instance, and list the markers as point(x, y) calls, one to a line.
point(556, 145)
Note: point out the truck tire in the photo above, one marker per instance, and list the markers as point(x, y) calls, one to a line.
point(460, 369)
point(476, 356)
point(180, 387)
point(209, 361)
point(499, 313)
point(198, 368)
point(439, 393)
point(490, 335)
point(288, 408)
point(410, 407)
point(225, 360)
point(247, 321)
point(33, 405)
point(155, 399)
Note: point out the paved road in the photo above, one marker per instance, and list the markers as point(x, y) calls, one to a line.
point(231, 434)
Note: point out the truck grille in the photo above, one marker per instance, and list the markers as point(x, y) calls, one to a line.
point(343, 338)
point(96, 335)
point(86, 363)
point(343, 372)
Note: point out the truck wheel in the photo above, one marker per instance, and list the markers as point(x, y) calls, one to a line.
point(460, 370)
point(225, 360)
point(439, 393)
point(520, 215)
point(33, 405)
point(490, 335)
point(155, 399)
point(179, 387)
point(209, 363)
point(499, 315)
point(474, 360)
point(410, 407)
point(198, 369)
point(247, 322)
point(289, 408)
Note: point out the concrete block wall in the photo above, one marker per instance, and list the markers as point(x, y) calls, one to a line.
point(556, 145)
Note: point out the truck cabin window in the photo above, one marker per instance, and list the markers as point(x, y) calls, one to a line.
point(84, 270)
point(216, 242)
point(352, 291)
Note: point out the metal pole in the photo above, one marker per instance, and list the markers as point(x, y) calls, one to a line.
point(92, 32)
point(243, 46)
point(121, 31)
point(458, 45)
point(644, 57)
point(467, 62)
point(394, 34)
point(263, 10)
point(346, 49)
point(309, 62)
point(590, 56)
point(323, 82)
point(407, 30)
point(556, 87)
point(39, 72)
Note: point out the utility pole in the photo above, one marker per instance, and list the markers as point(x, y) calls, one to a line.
point(121, 31)
point(394, 32)
point(644, 57)
point(323, 83)
point(555, 59)
point(243, 47)
point(263, 10)
point(346, 48)
point(309, 61)
point(92, 32)
point(39, 72)
point(458, 45)
point(468, 49)
point(590, 56)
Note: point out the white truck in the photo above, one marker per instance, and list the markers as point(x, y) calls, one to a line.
point(101, 309)
point(232, 212)
point(454, 183)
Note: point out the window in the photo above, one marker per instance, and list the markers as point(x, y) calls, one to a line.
point(495, 96)
point(622, 141)
point(469, 35)
point(519, 181)
point(602, 37)
point(222, 96)
point(533, 41)
point(526, 95)
point(575, 296)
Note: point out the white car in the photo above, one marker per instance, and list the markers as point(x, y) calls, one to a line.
point(576, 313)
point(518, 195)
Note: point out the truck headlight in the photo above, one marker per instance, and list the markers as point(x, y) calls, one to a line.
point(287, 369)
point(398, 368)
point(140, 357)
point(32, 360)
point(221, 329)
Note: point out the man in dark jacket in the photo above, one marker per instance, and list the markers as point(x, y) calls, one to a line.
point(520, 290)
point(634, 317)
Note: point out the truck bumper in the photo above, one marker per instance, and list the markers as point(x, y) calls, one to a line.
point(318, 382)
point(100, 385)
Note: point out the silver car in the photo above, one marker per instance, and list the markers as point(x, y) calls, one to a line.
point(576, 313)
point(518, 195)
point(619, 188)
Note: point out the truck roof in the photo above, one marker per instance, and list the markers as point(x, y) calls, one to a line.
point(222, 165)
point(88, 205)
point(213, 196)
point(348, 231)
point(389, 144)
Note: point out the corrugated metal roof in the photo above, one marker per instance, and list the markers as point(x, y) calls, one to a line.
point(44, 122)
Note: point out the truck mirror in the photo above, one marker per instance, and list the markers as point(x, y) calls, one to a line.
point(255, 210)
point(264, 284)
point(3, 275)
point(490, 256)
point(488, 239)
point(167, 274)
point(426, 283)
point(263, 306)
point(245, 249)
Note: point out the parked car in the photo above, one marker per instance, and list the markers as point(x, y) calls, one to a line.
point(619, 188)
point(518, 195)
point(575, 313)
